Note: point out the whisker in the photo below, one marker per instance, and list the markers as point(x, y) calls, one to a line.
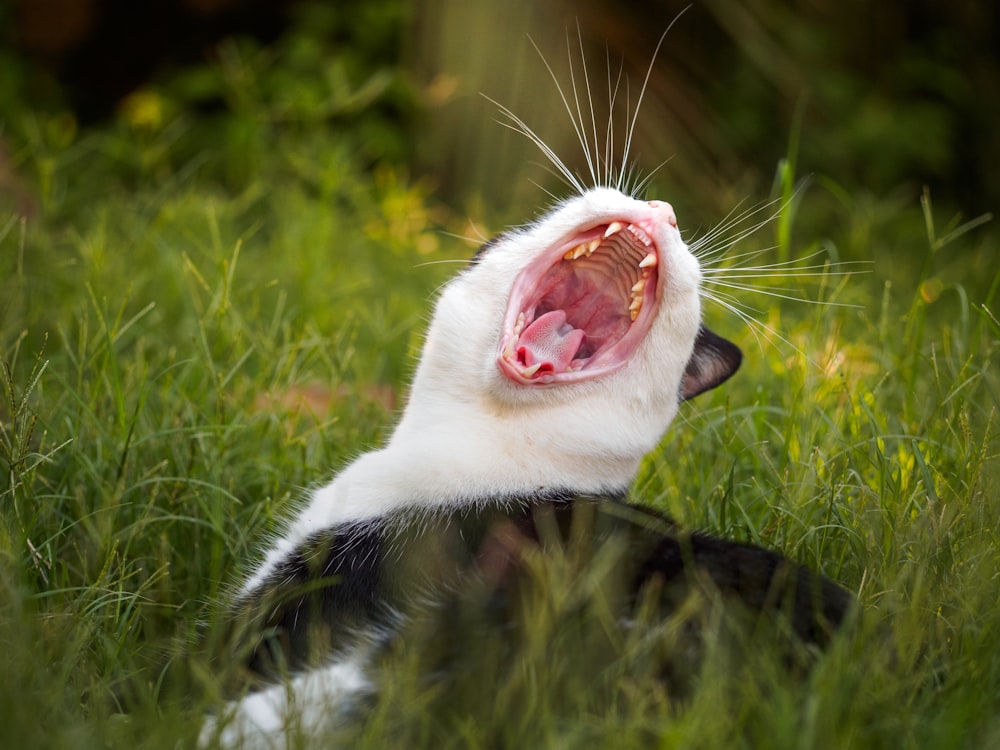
point(721, 296)
point(726, 221)
point(555, 173)
point(569, 110)
point(590, 100)
point(776, 272)
point(627, 177)
point(631, 178)
point(720, 244)
point(441, 262)
point(609, 144)
point(578, 123)
point(756, 326)
point(518, 125)
point(705, 247)
point(553, 196)
point(750, 322)
point(724, 262)
point(791, 263)
point(779, 293)
point(630, 132)
point(456, 236)
point(644, 182)
point(478, 240)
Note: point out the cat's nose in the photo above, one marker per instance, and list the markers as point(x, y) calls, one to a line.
point(667, 211)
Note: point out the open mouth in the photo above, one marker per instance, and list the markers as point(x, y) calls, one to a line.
point(582, 309)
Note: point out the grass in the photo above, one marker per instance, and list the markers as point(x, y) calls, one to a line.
point(181, 356)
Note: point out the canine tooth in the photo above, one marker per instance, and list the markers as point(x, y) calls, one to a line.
point(639, 285)
point(613, 228)
point(529, 371)
point(649, 261)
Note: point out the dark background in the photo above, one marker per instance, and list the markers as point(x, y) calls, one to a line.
point(881, 97)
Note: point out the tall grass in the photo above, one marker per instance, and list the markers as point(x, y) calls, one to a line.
point(182, 357)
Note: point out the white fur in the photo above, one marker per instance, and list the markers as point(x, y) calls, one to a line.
point(304, 707)
point(469, 432)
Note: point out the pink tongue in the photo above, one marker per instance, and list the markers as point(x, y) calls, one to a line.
point(550, 342)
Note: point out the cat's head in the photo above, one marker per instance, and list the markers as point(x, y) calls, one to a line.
point(588, 319)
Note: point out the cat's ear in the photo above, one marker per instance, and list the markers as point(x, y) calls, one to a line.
point(714, 359)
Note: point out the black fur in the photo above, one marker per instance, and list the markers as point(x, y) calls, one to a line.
point(333, 583)
point(713, 361)
point(350, 582)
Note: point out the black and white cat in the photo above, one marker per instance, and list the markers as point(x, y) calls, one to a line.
point(552, 365)
point(554, 362)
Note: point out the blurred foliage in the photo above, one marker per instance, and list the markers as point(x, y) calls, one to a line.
point(195, 280)
point(330, 80)
point(875, 97)
point(333, 71)
point(295, 148)
point(889, 94)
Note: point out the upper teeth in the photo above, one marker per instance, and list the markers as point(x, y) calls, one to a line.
point(519, 325)
point(586, 249)
point(613, 228)
point(637, 297)
point(640, 235)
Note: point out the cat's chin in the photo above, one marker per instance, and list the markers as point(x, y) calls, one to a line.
point(580, 310)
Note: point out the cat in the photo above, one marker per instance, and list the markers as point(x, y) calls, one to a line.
point(554, 362)
point(552, 365)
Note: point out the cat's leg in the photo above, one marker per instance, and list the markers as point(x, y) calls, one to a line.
point(302, 708)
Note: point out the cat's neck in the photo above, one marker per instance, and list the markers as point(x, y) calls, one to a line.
point(448, 451)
